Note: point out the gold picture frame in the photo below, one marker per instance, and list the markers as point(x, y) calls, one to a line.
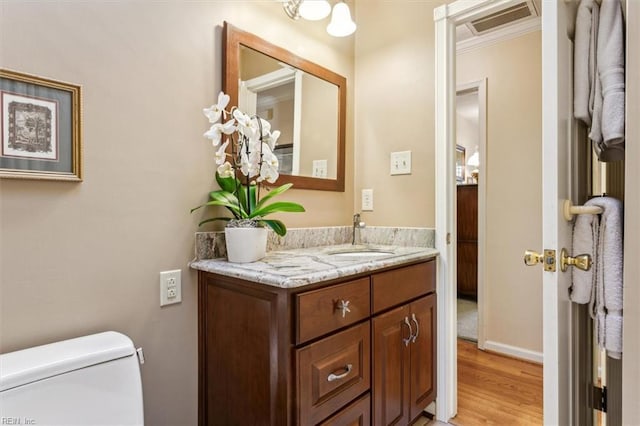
point(40, 128)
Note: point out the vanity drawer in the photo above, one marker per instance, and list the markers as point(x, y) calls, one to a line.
point(394, 287)
point(357, 413)
point(332, 372)
point(319, 312)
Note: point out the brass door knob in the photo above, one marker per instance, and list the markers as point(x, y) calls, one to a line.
point(532, 258)
point(582, 261)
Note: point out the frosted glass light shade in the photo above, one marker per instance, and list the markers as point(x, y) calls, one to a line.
point(341, 24)
point(474, 160)
point(314, 10)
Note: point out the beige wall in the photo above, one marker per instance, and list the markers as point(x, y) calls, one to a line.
point(513, 184)
point(467, 127)
point(395, 110)
point(78, 258)
point(631, 343)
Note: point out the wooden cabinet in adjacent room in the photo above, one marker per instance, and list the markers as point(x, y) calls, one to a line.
point(467, 221)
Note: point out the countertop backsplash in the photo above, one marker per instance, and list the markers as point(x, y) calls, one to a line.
point(211, 245)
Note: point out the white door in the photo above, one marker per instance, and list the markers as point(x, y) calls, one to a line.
point(557, 103)
point(556, 125)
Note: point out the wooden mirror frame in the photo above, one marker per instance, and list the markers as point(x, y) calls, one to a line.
point(232, 39)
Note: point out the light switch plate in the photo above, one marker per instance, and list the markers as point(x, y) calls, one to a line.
point(320, 168)
point(401, 163)
point(367, 200)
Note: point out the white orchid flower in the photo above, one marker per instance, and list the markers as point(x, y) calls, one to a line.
point(215, 132)
point(229, 127)
point(246, 125)
point(266, 126)
point(214, 112)
point(272, 139)
point(269, 169)
point(225, 170)
point(245, 165)
point(221, 155)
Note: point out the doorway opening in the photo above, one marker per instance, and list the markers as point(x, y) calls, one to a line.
point(470, 154)
point(512, 156)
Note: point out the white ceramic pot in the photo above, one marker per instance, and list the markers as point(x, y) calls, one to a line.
point(245, 244)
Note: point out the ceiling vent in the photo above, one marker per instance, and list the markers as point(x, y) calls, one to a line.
point(507, 16)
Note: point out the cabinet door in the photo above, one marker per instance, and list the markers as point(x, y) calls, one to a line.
point(391, 368)
point(423, 354)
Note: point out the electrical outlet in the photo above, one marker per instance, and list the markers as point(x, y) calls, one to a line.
point(367, 200)
point(170, 287)
point(400, 163)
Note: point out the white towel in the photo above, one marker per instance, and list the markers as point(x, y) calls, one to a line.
point(609, 285)
point(584, 59)
point(610, 65)
point(585, 238)
point(598, 75)
point(601, 286)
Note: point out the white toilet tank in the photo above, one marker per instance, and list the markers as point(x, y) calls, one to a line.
point(91, 380)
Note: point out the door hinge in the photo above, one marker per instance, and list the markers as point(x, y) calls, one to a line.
point(599, 398)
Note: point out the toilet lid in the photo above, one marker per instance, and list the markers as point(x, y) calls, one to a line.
point(29, 365)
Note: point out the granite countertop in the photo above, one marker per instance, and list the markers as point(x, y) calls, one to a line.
point(299, 267)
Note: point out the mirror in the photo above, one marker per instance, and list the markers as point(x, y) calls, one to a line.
point(303, 100)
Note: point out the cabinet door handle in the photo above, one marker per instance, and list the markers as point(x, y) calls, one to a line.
point(333, 377)
point(343, 305)
point(413, 318)
point(408, 339)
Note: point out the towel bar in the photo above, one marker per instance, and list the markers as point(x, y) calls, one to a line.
point(570, 210)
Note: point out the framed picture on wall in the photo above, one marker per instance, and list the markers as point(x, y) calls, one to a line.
point(41, 128)
point(460, 163)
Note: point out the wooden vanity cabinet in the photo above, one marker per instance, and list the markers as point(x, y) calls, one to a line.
point(404, 353)
point(276, 356)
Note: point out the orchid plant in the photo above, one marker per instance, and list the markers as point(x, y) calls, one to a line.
point(243, 169)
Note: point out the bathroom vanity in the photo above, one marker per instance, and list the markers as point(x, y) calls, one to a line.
point(318, 336)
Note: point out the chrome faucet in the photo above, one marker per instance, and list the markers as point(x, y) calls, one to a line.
point(357, 224)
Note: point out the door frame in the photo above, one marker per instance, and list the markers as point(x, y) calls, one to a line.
point(446, 18)
point(480, 87)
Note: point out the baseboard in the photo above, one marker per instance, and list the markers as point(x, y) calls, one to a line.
point(513, 351)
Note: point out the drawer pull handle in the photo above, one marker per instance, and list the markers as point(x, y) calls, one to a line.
point(408, 339)
point(344, 307)
point(413, 318)
point(333, 377)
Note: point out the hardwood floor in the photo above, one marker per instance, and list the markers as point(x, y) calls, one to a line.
point(494, 389)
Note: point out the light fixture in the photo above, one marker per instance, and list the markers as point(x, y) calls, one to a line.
point(314, 10)
point(341, 24)
point(292, 8)
point(474, 162)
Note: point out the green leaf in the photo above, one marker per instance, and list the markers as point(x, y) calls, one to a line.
point(230, 201)
point(196, 208)
point(233, 208)
point(277, 226)
point(227, 184)
point(273, 193)
point(281, 206)
point(242, 196)
point(214, 219)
